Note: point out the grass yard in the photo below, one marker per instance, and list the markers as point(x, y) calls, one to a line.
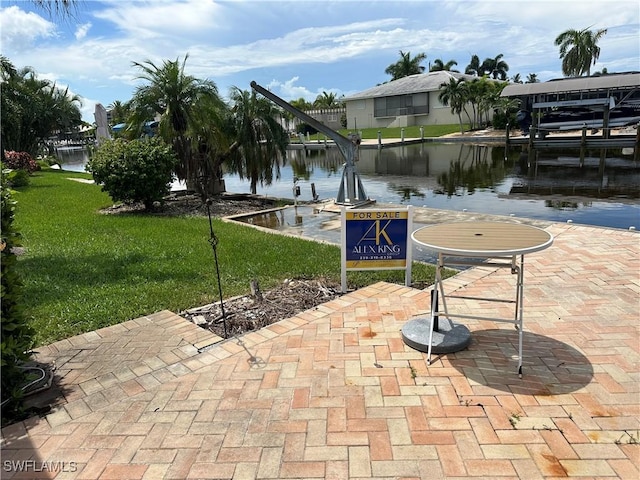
point(83, 270)
point(393, 132)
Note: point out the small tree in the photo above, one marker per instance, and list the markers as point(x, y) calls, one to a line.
point(135, 171)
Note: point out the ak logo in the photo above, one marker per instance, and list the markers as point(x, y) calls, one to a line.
point(379, 233)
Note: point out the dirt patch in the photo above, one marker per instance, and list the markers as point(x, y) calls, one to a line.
point(254, 311)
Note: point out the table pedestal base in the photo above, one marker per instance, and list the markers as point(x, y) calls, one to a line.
point(450, 337)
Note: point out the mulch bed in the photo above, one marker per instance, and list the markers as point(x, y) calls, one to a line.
point(254, 311)
point(181, 203)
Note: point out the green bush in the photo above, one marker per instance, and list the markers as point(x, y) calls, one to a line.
point(46, 162)
point(305, 129)
point(16, 178)
point(134, 171)
point(17, 336)
point(500, 120)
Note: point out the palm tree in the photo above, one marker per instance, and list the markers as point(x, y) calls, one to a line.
point(517, 78)
point(507, 105)
point(439, 65)
point(532, 78)
point(406, 65)
point(491, 101)
point(301, 104)
point(119, 111)
point(62, 7)
point(180, 101)
point(579, 50)
point(291, 120)
point(474, 66)
point(33, 109)
point(326, 100)
point(260, 141)
point(496, 67)
point(455, 94)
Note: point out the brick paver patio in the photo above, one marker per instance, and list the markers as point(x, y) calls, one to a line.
point(334, 392)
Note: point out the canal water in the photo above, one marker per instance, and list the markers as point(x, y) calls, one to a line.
point(601, 190)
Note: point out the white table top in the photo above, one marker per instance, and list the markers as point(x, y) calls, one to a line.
point(482, 239)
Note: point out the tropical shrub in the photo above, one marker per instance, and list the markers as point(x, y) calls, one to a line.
point(305, 129)
point(134, 171)
point(20, 161)
point(17, 335)
point(16, 178)
point(500, 120)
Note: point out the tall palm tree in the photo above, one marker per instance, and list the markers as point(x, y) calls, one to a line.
point(260, 141)
point(474, 66)
point(455, 94)
point(517, 78)
point(495, 67)
point(178, 100)
point(579, 50)
point(438, 65)
point(406, 65)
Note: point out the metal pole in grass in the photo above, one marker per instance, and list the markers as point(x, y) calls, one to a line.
point(213, 240)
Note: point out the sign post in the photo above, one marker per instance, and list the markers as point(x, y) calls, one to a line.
point(376, 239)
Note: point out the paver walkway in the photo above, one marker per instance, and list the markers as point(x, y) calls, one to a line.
point(335, 393)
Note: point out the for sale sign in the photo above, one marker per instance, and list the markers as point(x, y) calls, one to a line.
point(376, 240)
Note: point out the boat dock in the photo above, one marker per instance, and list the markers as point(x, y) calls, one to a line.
point(627, 138)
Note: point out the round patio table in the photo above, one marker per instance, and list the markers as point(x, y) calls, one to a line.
point(474, 243)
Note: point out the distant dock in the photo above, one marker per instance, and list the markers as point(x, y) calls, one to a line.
point(573, 139)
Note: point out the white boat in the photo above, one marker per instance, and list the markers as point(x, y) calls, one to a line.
point(575, 114)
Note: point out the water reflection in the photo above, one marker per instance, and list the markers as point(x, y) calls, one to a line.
point(594, 176)
point(303, 220)
point(603, 189)
point(72, 158)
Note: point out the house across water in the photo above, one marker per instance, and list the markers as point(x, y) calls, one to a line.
point(405, 102)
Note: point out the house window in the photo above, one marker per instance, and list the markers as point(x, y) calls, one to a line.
point(415, 104)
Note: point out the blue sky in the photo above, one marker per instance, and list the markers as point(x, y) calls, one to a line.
point(300, 48)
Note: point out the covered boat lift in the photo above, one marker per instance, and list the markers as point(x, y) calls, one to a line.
point(605, 102)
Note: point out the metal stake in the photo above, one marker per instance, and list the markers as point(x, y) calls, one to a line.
point(213, 240)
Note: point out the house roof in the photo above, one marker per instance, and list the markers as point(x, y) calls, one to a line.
point(564, 85)
point(421, 82)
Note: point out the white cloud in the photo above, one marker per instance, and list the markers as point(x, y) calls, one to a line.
point(289, 90)
point(82, 31)
point(160, 18)
point(20, 29)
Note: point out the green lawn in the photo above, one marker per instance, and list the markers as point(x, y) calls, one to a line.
point(83, 270)
point(395, 132)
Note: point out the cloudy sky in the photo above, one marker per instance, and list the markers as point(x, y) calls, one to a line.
point(300, 48)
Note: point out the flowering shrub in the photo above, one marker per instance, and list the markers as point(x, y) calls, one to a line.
point(20, 161)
